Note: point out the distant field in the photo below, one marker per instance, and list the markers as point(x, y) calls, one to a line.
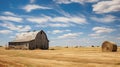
point(60, 57)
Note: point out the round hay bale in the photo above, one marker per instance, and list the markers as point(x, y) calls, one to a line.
point(109, 46)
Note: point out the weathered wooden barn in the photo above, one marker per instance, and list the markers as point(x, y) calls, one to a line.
point(30, 40)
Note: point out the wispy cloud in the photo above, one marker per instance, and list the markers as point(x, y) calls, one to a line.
point(14, 27)
point(39, 19)
point(58, 31)
point(11, 18)
point(9, 13)
point(102, 30)
point(58, 21)
point(62, 1)
point(74, 1)
point(118, 38)
point(70, 35)
point(107, 6)
point(58, 9)
point(77, 20)
point(11, 36)
point(94, 35)
point(99, 31)
point(30, 7)
point(32, 1)
point(5, 31)
point(60, 25)
point(105, 19)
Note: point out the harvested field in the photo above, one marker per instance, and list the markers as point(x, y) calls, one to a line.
point(60, 57)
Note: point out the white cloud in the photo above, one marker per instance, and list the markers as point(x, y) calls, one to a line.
point(32, 1)
point(106, 19)
point(84, 1)
point(37, 20)
point(107, 6)
point(62, 1)
point(118, 38)
point(54, 25)
point(12, 37)
point(70, 35)
point(60, 19)
point(30, 7)
point(74, 1)
point(9, 13)
point(77, 20)
point(58, 31)
point(10, 18)
point(59, 25)
point(15, 27)
point(25, 28)
point(100, 30)
point(23, 35)
point(94, 35)
point(5, 31)
point(40, 20)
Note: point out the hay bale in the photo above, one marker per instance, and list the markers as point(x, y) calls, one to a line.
point(97, 46)
point(76, 46)
point(92, 46)
point(66, 46)
point(52, 49)
point(109, 46)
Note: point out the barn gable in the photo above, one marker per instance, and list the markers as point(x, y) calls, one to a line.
point(41, 40)
point(31, 40)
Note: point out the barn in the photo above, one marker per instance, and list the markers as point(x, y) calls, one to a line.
point(30, 40)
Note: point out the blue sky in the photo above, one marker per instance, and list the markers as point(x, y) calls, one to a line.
point(66, 22)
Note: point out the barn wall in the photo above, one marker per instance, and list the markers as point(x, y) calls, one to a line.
point(41, 40)
point(19, 45)
point(32, 45)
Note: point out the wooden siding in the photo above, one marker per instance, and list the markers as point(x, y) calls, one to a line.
point(40, 42)
point(17, 45)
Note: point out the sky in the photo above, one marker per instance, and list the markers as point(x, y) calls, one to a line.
point(66, 22)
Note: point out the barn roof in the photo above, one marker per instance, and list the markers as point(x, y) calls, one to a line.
point(26, 36)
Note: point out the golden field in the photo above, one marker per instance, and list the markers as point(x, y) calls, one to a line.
point(60, 57)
